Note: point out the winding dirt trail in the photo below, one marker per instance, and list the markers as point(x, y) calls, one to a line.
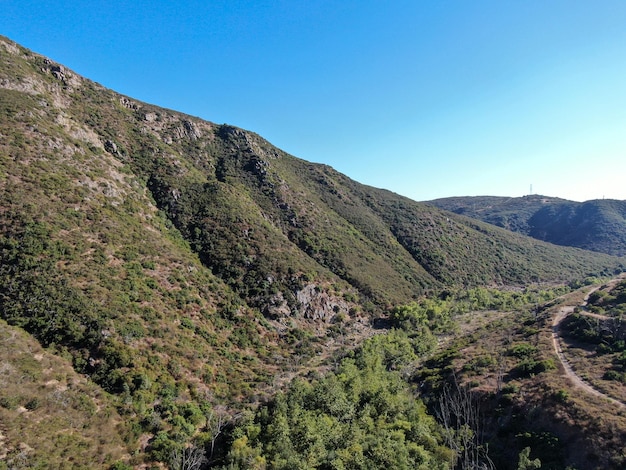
point(561, 314)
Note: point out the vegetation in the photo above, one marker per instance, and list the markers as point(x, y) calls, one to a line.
point(188, 272)
point(505, 364)
point(50, 416)
point(600, 330)
point(597, 225)
point(362, 415)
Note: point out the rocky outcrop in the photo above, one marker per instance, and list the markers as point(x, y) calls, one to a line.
point(317, 304)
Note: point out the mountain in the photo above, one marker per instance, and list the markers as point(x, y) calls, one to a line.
point(191, 269)
point(597, 225)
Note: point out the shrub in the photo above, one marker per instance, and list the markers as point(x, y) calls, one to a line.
point(10, 403)
point(561, 396)
point(522, 350)
point(614, 375)
point(32, 404)
point(510, 389)
point(120, 466)
point(530, 367)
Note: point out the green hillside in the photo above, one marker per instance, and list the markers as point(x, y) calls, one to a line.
point(190, 270)
point(598, 225)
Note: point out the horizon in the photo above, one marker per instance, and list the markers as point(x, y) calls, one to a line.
point(428, 101)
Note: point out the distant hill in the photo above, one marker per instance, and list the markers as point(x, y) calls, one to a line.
point(597, 225)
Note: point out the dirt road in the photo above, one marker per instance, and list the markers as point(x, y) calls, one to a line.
point(561, 314)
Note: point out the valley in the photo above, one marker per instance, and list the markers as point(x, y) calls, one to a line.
point(176, 293)
point(536, 385)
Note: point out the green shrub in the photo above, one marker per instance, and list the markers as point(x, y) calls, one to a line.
point(32, 404)
point(522, 350)
point(614, 375)
point(530, 367)
point(510, 389)
point(10, 403)
point(480, 363)
point(561, 396)
point(120, 466)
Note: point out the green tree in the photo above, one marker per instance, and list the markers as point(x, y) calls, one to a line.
point(525, 463)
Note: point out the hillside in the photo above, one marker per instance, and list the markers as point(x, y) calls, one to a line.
point(598, 225)
point(550, 379)
point(191, 269)
point(46, 405)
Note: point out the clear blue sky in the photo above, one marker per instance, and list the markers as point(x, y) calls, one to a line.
point(426, 98)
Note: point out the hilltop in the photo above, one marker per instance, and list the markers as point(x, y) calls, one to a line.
point(597, 225)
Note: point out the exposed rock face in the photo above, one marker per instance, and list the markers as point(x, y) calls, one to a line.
point(277, 306)
point(79, 131)
point(127, 103)
point(317, 304)
point(67, 77)
point(187, 130)
point(314, 303)
point(110, 147)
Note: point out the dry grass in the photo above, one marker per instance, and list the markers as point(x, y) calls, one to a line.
point(51, 417)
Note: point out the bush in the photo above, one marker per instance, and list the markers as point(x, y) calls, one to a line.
point(561, 396)
point(530, 367)
point(479, 363)
point(522, 350)
point(10, 403)
point(614, 375)
point(120, 466)
point(32, 404)
point(510, 389)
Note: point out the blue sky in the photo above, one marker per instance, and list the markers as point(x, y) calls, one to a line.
point(426, 98)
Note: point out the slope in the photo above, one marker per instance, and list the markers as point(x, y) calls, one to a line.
point(50, 416)
point(598, 225)
point(510, 362)
point(184, 265)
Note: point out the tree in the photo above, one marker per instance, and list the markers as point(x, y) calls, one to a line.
point(216, 421)
point(460, 417)
point(188, 458)
point(524, 462)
